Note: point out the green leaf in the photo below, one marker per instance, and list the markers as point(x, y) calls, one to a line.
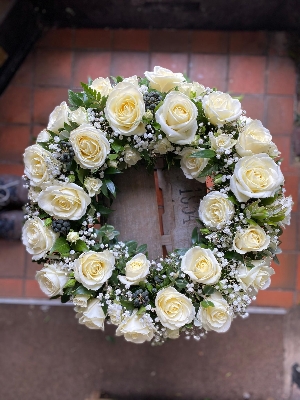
point(142, 249)
point(116, 145)
point(64, 135)
point(275, 259)
point(149, 287)
point(60, 246)
point(127, 304)
point(208, 170)
point(75, 99)
point(104, 188)
point(233, 255)
point(103, 210)
point(207, 303)
point(131, 245)
point(80, 246)
point(181, 252)
point(208, 290)
point(82, 173)
point(113, 156)
point(119, 79)
point(82, 290)
point(70, 283)
point(195, 236)
point(65, 298)
point(47, 221)
point(181, 283)
point(268, 201)
point(204, 154)
point(114, 278)
point(111, 187)
point(112, 171)
point(142, 310)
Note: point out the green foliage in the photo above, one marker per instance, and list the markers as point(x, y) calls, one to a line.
point(80, 246)
point(208, 290)
point(75, 100)
point(207, 303)
point(203, 154)
point(60, 246)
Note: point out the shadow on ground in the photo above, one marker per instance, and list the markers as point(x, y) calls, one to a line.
point(46, 354)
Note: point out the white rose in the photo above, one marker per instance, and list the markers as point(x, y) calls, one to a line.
point(81, 300)
point(72, 237)
point(201, 266)
point(92, 269)
point(172, 333)
point(216, 210)
point(256, 176)
point(136, 328)
point(254, 139)
point(125, 108)
point(43, 136)
point(102, 85)
point(221, 107)
point(217, 318)
point(192, 166)
point(90, 146)
point(136, 270)
point(65, 201)
point(253, 238)
point(93, 185)
point(162, 146)
point(37, 238)
point(79, 116)
point(36, 161)
point(194, 89)
point(131, 156)
point(114, 311)
point(132, 79)
point(222, 142)
point(258, 277)
point(58, 117)
point(163, 79)
point(173, 309)
point(51, 280)
point(93, 316)
point(178, 118)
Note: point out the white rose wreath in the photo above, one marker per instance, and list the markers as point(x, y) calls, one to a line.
point(112, 125)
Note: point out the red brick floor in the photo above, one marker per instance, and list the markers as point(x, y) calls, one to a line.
point(252, 64)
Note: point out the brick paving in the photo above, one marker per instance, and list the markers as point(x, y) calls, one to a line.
point(254, 65)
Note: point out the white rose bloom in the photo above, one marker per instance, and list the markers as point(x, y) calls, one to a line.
point(177, 117)
point(258, 277)
point(163, 79)
point(125, 108)
point(201, 266)
point(136, 328)
point(136, 270)
point(102, 85)
point(51, 280)
point(36, 161)
point(72, 237)
point(92, 269)
point(114, 312)
point(37, 238)
point(162, 146)
point(93, 316)
point(172, 333)
point(90, 146)
point(194, 89)
point(132, 79)
point(192, 166)
point(256, 176)
point(217, 318)
point(221, 107)
point(254, 139)
point(81, 300)
point(79, 116)
point(64, 201)
point(93, 185)
point(173, 309)
point(253, 238)
point(216, 210)
point(43, 136)
point(131, 156)
point(222, 142)
point(58, 117)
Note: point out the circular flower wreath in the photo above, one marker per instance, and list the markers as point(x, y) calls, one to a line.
point(110, 126)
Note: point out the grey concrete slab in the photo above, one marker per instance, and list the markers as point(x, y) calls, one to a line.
point(45, 354)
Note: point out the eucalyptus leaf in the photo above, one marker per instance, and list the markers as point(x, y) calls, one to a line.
point(203, 154)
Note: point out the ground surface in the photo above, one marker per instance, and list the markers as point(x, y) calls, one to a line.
point(46, 354)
